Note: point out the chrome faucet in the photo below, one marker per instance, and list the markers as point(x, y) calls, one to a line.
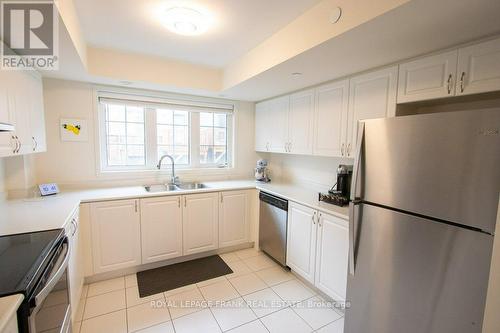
point(174, 179)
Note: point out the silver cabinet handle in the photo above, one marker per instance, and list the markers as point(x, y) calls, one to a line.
point(185, 201)
point(348, 149)
point(14, 150)
point(20, 144)
point(35, 143)
point(342, 149)
point(289, 147)
point(319, 220)
point(75, 227)
point(135, 205)
point(221, 198)
point(314, 218)
point(179, 202)
point(462, 82)
point(449, 83)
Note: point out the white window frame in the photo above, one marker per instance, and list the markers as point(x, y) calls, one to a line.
point(151, 146)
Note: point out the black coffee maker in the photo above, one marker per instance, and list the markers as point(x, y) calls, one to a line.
point(344, 176)
point(340, 195)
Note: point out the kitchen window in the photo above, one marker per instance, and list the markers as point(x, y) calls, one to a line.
point(134, 134)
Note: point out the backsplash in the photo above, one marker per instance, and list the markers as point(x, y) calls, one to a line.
point(311, 171)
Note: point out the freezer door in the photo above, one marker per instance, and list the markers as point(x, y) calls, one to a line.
point(445, 166)
point(415, 275)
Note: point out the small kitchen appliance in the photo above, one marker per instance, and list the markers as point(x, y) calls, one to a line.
point(340, 195)
point(261, 172)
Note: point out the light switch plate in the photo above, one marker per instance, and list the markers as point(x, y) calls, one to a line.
point(48, 189)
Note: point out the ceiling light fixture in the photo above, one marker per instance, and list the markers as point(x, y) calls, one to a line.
point(296, 74)
point(185, 21)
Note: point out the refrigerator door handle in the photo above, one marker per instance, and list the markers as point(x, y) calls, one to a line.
point(357, 159)
point(351, 238)
point(354, 201)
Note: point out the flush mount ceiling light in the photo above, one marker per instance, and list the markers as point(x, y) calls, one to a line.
point(185, 21)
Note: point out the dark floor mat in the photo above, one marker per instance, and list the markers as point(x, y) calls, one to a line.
point(157, 280)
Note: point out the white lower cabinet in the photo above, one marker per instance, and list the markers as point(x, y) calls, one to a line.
point(332, 255)
point(76, 262)
point(200, 223)
point(317, 249)
point(301, 240)
point(116, 235)
point(161, 228)
point(234, 218)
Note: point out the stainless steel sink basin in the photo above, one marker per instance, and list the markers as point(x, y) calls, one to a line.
point(171, 187)
point(191, 186)
point(161, 188)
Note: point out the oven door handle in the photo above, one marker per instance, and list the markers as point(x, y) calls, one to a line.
point(61, 264)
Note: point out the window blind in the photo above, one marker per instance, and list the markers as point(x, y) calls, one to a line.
point(180, 105)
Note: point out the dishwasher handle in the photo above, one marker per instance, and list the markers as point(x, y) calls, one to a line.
point(274, 200)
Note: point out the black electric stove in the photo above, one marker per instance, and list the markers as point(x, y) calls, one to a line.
point(23, 259)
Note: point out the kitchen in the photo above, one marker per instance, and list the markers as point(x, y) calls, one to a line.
point(165, 176)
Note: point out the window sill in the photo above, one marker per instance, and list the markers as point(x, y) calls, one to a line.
point(165, 172)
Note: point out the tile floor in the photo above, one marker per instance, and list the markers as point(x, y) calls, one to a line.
point(259, 296)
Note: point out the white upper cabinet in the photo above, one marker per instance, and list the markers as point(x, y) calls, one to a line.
point(428, 78)
point(371, 95)
point(116, 235)
point(161, 228)
point(301, 240)
point(300, 123)
point(330, 118)
point(21, 104)
point(200, 223)
point(278, 123)
point(262, 129)
point(479, 68)
point(271, 125)
point(332, 256)
point(37, 115)
point(234, 218)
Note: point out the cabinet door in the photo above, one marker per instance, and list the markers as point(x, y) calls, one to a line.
point(234, 218)
point(332, 256)
point(7, 143)
point(116, 235)
point(300, 123)
point(427, 78)
point(36, 115)
point(371, 96)
point(262, 130)
point(278, 123)
point(200, 223)
point(301, 240)
point(75, 264)
point(479, 68)
point(330, 118)
point(161, 228)
point(21, 100)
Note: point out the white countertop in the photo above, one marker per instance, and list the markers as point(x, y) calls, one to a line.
point(8, 308)
point(28, 215)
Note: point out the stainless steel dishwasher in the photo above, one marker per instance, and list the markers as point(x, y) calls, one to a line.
point(273, 226)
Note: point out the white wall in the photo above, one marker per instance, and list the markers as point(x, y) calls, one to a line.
point(311, 171)
point(2, 179)
point(73, 164)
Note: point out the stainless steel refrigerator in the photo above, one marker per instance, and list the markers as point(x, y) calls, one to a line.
point(424, 204)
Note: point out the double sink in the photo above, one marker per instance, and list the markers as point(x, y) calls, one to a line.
point(174, 187)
